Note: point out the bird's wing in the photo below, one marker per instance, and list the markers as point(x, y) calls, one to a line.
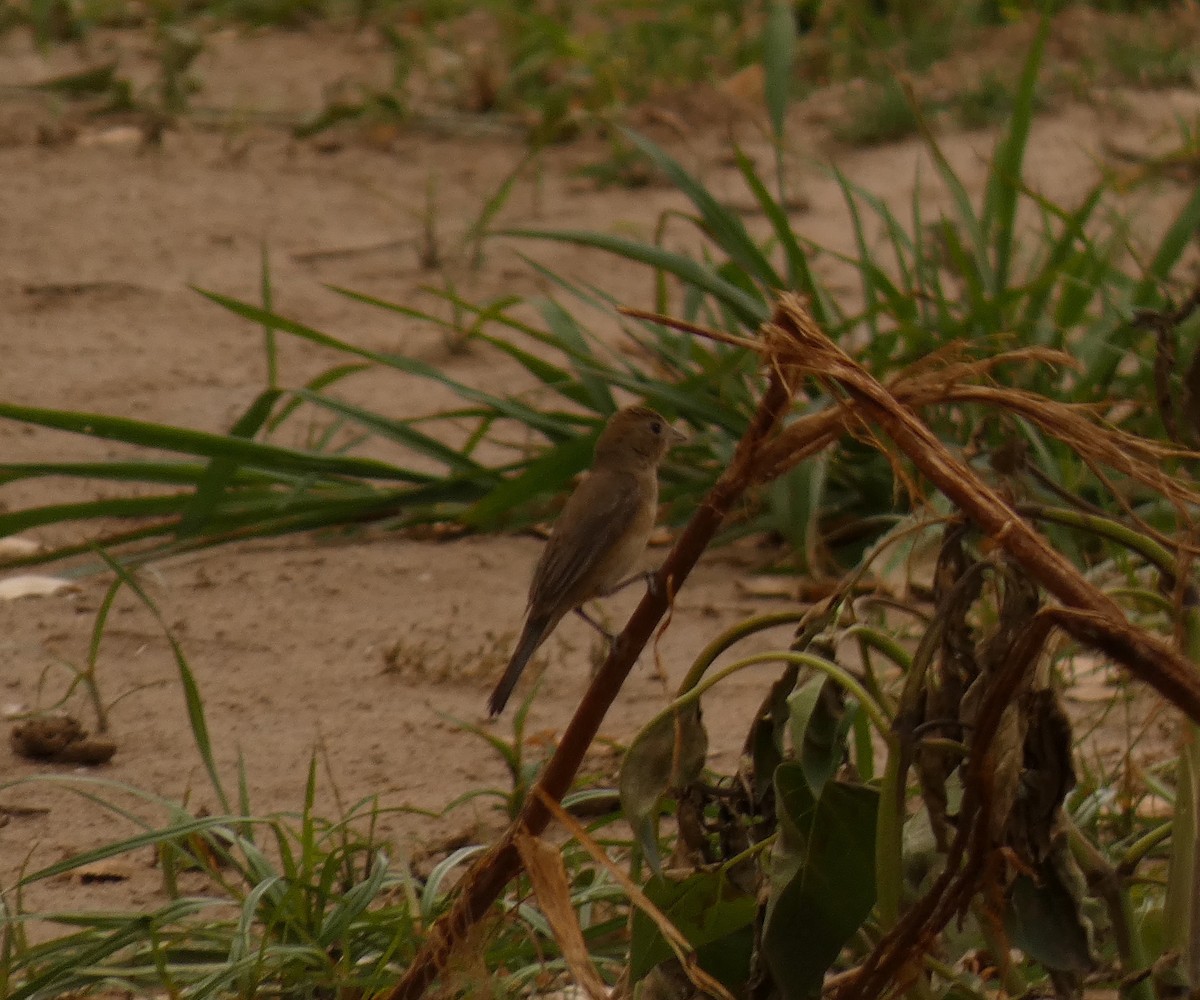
point(594, 521)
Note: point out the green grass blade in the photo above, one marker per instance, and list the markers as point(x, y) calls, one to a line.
point(34, 517)
point(799, 275)
point(549, 473)
point(547, 423)
point(478, 231)
point(565, 331)
point(1004, 178)
point(352, 905)
point(1058, 251)
point(191, 692)
point(220, 471)
point(48, 982)
point(779, 49)
point(1177, 238)
point(168, 438)
point(750, 310)
point(550, 376)
point(171, 473)
point(399, 431)
point(722, 225)
point(980, 278)
point(130, 845)
point(268, 298)
point(324, 380)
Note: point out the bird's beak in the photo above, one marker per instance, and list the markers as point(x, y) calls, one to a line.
point(678, 436)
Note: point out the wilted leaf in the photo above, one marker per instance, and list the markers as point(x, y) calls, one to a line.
point(1048, 775)
point(668, 753)
point(957, 582)
point(763, 751)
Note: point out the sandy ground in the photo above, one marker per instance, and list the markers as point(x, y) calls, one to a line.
point(367, 648)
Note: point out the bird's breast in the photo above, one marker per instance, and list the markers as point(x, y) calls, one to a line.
point(622, 558)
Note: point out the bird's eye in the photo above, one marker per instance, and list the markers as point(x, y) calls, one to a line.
point(656, 426)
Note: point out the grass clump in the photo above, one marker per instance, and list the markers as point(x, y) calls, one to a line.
point(1011, 261)
point(1152, 56)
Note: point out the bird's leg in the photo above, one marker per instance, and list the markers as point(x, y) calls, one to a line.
point(596, 625)
point(648, 575)
point(597, 657)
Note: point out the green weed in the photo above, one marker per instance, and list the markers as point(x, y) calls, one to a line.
point(877, 113)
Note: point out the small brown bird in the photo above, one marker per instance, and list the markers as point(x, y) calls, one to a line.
point(600, 534)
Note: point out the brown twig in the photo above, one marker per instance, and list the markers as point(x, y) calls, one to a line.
point(1164, 324)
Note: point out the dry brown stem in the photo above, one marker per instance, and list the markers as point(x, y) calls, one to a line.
point(485, 881)
point(799, 346)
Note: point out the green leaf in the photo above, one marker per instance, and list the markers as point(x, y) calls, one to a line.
point(800, 276)
point(565, 330)
point(818, 732)
point(181, 439)
point(1178, 237)
point(1047, 918)
point(822, 878)
point(723, 225)
point(400, 431)
point(716, 918)
point(1004, 177)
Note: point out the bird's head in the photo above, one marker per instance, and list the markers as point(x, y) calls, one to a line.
point(636, 435)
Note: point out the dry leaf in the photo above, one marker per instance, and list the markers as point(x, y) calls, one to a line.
point(768, 586)
point(700, 979)
point(745, 86)
point(118, 135)
point(33, 586)
point(14, 547)
point(109, 870)
point(59, 739)
point(544, 865)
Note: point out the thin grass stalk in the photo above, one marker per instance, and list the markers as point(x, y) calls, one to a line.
point(1181, 915)
point(1109, 886)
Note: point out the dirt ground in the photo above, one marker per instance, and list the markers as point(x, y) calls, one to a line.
point(101, 237)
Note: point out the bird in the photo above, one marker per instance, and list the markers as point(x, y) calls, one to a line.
point(599, 536)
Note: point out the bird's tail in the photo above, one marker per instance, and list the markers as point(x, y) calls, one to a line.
point(531, 637)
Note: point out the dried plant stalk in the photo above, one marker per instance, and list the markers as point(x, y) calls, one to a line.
point(793, 347)
point(798, 346)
